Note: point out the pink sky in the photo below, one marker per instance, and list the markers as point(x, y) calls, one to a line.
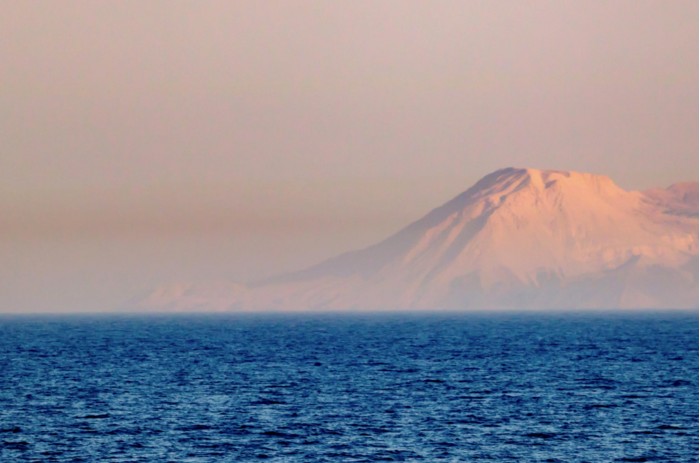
point(145, 142)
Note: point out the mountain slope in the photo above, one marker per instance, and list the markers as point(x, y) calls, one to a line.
point(517, 239)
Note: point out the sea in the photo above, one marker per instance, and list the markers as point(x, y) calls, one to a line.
point(583, 387)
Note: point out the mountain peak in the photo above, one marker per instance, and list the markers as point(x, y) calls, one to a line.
point(528, 188)
point(519, 238)
point(510, 178)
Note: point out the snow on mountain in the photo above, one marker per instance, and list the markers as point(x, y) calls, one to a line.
point(517, 239)
point(681, 198)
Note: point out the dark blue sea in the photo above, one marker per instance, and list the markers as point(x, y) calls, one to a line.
point(350, 388)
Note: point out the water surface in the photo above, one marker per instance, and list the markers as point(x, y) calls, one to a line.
point(362, 388)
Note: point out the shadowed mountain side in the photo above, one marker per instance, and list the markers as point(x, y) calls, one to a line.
point(517, 239)
point(679, 199)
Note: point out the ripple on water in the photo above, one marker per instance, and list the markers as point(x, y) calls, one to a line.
point(349, 388)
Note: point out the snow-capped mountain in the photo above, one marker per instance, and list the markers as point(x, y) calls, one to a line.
point(517, 239)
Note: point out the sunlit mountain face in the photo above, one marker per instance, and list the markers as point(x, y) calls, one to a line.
point(517, 239)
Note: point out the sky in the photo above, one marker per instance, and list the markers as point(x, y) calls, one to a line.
point(143, 143)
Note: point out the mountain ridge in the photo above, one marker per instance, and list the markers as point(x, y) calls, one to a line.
point(519, 238)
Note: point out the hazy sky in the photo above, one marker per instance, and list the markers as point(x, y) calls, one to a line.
point(146, 142)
